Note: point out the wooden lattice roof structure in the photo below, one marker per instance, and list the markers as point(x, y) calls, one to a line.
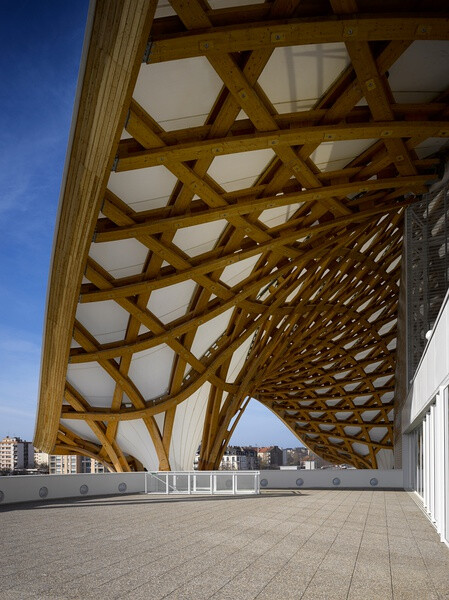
point(231, 225)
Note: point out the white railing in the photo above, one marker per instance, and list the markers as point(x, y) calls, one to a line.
point(202, 482)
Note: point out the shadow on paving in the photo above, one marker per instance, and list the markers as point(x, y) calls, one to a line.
point(122, 500)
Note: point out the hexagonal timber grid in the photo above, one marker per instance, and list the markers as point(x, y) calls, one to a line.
point(252, 251)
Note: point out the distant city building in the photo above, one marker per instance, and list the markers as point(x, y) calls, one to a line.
point(41, 459)
point(313, 461)
point(16, 454)
point(270, 457)
point(237, 458)
point(293, 456)
point(73, 463)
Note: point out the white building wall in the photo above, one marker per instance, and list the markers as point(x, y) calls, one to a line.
point(432, 372)
point(425, 422)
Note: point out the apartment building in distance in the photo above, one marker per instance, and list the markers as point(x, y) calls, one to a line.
point(69, 464)
point(41, 459)
point(235, 458)
point(270, 457)
point(238, 458)
point(16, 454)
point(294, 456)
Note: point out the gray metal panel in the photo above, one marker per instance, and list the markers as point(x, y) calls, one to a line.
point(427, 231)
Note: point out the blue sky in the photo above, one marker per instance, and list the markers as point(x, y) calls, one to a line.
point(40, 53)
point(39, 60)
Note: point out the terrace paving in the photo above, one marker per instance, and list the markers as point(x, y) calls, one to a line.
point(310, 545)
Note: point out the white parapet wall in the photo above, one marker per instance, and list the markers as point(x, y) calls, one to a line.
point(29, 488)
point(432, 372)
point(332, 479)
point(36, 488)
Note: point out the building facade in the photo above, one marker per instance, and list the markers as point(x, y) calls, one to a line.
point(16, 454)
point(237, 458)
point(424, 418)
point(270, 457)
point(70, 463)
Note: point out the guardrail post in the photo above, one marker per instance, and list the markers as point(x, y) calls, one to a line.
point(188, 483)
point(211, 484)
point(166, 483)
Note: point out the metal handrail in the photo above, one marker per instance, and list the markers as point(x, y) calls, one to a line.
point(172, 482)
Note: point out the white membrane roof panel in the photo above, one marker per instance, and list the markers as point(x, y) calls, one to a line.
point(352, 431)
point(215, 4)
point(278, 215)
point(93, 383)
point(143, 189)
point(150, 370)
point(198, 239)
point(237, 272)
point(421, 73)
point(209, 332)
point(179, 93)
point(164, 9)
point(187, 429)
point(134, 439)
point(430, 146)
point(369, 415)
point(378, 433)
point(80, 428)
point(361, 449)
point(239, 171)
point(172, 302)
point(296, 77)
point(330, 156)
point(238, 360)
point(160, 419)
point(121, 258)
point(385, 459)
point(105, 320)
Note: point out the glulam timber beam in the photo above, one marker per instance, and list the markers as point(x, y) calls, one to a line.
point(280, 283)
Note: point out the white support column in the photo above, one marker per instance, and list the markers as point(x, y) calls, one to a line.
point(408, 459)
point(439, 458)
point(432, 464)
point(425, 494)
point(445, 491)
